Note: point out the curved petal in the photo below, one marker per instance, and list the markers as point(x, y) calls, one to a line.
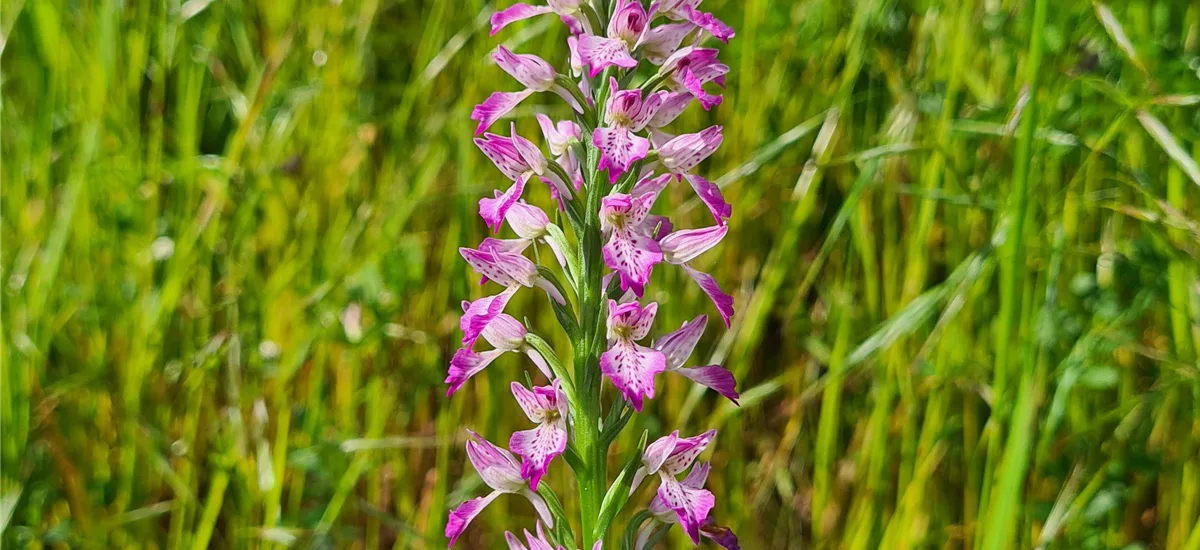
point(516, 12)
point(533, 407)
point(708, 22)
point(678, 345)
point(529, 152)
point(477, 314)
point(696, 88)
point(658, 43)
point(461, 517)
point(539, 504)
point(466, 364)
point(711, 195)
point(708, 284)
point(684, 152)
point(685, 452)
point(514, 543)
point(537, 447)
point(494, 210)
point(685, 245)
point(632, 369)
point(698, 475)
point(690, 505)
point(673, 105)
point(715, 378)
point(497, 467)
point(530, 70)
point(501, 151)
point(495, 107)
point(723, 536)
point(619, 149)
point(658, 452)
point(539, 362)
point(598, 53)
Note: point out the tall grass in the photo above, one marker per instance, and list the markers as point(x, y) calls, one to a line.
point(966, 268)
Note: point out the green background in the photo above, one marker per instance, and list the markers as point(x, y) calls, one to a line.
point(968, 305)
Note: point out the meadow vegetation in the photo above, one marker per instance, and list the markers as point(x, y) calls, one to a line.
point(966, 264)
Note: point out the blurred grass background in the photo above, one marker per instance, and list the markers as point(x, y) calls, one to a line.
point(965, 258)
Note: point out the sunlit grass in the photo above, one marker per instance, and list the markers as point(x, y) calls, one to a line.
point(965, 260)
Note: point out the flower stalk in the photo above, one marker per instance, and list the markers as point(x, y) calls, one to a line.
point(605, 170)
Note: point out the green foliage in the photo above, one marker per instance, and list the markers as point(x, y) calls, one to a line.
point(968, 305)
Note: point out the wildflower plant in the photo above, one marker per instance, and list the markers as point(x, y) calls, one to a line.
point(631, 71)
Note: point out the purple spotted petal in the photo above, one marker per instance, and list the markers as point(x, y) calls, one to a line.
point(690, 505)
point(516, 12)
point(530, 70)
point(632, 369)
point(598, 53)
point(685, 245)
point(533, 407)
point(678, 345)
point(684, 152)
point(529, 152)
point(494, 210)
point(633, 257)
point(461, 517)
point(630, 320)
point(660, 42)
point(504, 268)
point(537, 447)
point(477, 314)
point(711, 195)
point(501, 151)
point(495, 107)
point(619, 149)
point(715, 378)
point(685, 452)
point(465, 364)
point(708, 284)
point(657, 453)
point(673, 105)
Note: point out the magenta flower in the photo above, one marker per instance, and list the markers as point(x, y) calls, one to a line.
point(691, 68)
point(505, 334)
point(678, 346)
point(518, 159)
point(531, 71)
point(630, 250)
point(685, 10)
point(695, 479)
point(547, 407)
point(668, 457)
point(540, 542)
point(624, 31)
point(495, 262)
point(683, 246)
point(625, 115)
point(567, 9)
point(500, 471)
point(630, 366)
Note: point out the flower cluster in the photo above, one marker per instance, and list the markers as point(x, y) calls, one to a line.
point(604, 168)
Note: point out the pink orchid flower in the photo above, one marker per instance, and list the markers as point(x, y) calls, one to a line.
point(630, 366)
point(500, 471)
point(547, 407)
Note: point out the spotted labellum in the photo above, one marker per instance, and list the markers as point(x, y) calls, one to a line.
point(607, 153)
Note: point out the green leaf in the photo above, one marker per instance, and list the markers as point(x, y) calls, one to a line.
point(618, 493)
